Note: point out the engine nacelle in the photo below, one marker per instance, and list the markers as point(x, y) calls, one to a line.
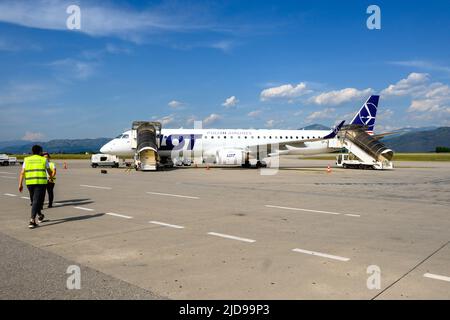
point(230, 157)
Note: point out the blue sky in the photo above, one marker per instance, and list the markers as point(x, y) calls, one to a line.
point(233, 64)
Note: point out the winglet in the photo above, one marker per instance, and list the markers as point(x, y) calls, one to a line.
point(335, 131)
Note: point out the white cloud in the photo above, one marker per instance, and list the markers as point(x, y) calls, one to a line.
point(436, 99)
point(9, 45)
point(191, 120)
point(385, 115)
point(21, 93)
point(33, 136)
point(230, 102)
point(254, 113)
point(336, 97)
point(224, 45)
point(72, 68)
point(322, 114)
point(166, 120)
point(286, 91)
point(175, 104)
point(421, 64)
point(114, 49)
point(212, 118)
point(100, 19)
point(430, 101)
point(414, 83)
point(272, 123)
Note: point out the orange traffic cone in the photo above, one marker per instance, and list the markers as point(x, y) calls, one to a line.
point(328, 169)
point(65, 165)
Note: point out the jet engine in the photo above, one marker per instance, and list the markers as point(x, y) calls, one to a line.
point(230, 157)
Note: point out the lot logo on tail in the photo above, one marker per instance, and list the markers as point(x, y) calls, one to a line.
point(367, 114)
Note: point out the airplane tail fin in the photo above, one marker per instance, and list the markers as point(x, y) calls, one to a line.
point(366, 116)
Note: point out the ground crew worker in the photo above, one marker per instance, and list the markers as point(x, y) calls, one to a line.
point(35, 169)
point(50, 181)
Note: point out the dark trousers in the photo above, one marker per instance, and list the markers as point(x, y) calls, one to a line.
point(37, 196)
point(50, 187)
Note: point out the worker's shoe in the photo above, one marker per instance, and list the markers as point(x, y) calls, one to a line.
point(50, 206)
point(32, 224)
point(41, 218)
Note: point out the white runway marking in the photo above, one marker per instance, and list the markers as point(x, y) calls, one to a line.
point(83, 208)
point(167, 224)
point(118, 215)
point(230, 237)
point(27, 198)
point(172, 195)
point(10, 195)
point(309, 210)
point(436, 276)
point(95, 187)
point(320, 254)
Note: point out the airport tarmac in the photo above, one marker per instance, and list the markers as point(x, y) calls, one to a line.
point(232, 233)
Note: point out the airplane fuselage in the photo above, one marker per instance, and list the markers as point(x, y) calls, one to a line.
point(208, 141)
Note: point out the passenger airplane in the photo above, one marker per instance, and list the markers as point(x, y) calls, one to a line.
point(230, 146)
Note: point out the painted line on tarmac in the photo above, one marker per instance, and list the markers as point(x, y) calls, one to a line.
point(9, 195)
point(83, 208)
point(4, 172)
point(118, 215)
point(172, 195)
point(26, 198)
point(321, 254)
point(314, 211)
point(436, 277)
point(95, 187)
point(8, 177)
point(166, 224)
point(227, 236)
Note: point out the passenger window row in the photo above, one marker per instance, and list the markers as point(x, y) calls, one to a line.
point(259, 137)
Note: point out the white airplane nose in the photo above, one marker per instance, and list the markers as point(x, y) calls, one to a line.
point(103, 149)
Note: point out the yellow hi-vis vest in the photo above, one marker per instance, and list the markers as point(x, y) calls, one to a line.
point(35, 170)
point(52, 166)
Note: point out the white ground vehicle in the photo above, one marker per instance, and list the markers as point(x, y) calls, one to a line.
point(6, 160)
point(349, 160)
point(104, 160)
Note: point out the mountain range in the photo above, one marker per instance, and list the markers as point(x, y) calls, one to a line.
point(55, 146)
point(404, 140)
point(419, 140)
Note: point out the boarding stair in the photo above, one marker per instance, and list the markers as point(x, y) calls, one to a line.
point(146, 144)
point(368, 149)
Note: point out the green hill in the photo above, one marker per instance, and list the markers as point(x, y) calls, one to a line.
point(59, 146)
point(419, 141)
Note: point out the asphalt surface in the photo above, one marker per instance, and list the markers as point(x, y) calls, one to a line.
point(232, 233)
point(31, 273)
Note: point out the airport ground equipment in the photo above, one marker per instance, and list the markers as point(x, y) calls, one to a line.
point(364, 150)
point(145, 141)
point(104, 160)
point(6, 160)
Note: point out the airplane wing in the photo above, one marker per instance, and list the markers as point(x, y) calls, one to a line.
point(382, 135)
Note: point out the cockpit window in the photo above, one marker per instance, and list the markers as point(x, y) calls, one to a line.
point(125, 136)
point(119, 136)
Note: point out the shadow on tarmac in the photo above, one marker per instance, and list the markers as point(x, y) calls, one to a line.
point(70, 219)
point(73, 202)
